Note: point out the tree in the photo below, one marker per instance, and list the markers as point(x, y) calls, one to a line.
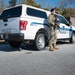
point(12, 3)
point(64, 4)
point(2, 5)
point(32, 3)
point(66, 7)
point(42, 3)
point(29, 2)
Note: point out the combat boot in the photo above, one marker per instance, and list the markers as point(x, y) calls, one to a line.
point(51, 48)
point(55, 47)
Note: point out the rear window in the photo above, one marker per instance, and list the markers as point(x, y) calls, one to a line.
point(36, 13)
point(13, 12)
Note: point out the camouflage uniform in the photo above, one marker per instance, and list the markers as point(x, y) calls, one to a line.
point(53, 30)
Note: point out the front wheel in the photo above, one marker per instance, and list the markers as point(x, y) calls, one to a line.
point(72, 39)
point(15, 44)
point(40, 41)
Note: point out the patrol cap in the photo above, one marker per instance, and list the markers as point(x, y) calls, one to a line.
point(53, 9)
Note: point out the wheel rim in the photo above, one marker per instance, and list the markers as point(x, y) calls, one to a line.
point(41, 42)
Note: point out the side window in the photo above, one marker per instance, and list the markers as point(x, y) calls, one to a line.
point(42, 14)
point(62, 20)
point(36, 13)
point(31, 12)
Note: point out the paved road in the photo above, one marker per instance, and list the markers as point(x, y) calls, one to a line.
point(26, 61)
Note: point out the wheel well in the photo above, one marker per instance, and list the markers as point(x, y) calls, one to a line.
point(43, 31)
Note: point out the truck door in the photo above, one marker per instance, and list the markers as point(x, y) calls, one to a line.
point(64, 30)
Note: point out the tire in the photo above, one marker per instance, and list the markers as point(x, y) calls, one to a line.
point(72, 39)
point(15, 44)
point(40, 41)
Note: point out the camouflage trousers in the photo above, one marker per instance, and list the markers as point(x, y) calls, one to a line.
point(53, 35)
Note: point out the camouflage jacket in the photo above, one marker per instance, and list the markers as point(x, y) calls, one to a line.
point(51, 20)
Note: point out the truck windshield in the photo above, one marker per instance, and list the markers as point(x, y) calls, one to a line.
point(13, 12)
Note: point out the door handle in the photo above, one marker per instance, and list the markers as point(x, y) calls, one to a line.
point(63, 26)
point(5, 24)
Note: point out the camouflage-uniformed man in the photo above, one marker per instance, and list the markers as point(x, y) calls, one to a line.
point(53, 31)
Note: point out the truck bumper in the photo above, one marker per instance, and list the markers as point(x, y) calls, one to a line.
point(12, 37)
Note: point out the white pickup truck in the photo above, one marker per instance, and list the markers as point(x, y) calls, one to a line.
point(26, 23)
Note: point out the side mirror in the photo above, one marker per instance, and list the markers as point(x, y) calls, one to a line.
point(70, 23)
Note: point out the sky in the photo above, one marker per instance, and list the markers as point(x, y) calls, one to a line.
point(52, 3)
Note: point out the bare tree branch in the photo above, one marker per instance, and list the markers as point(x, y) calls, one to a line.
point(63, 4)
